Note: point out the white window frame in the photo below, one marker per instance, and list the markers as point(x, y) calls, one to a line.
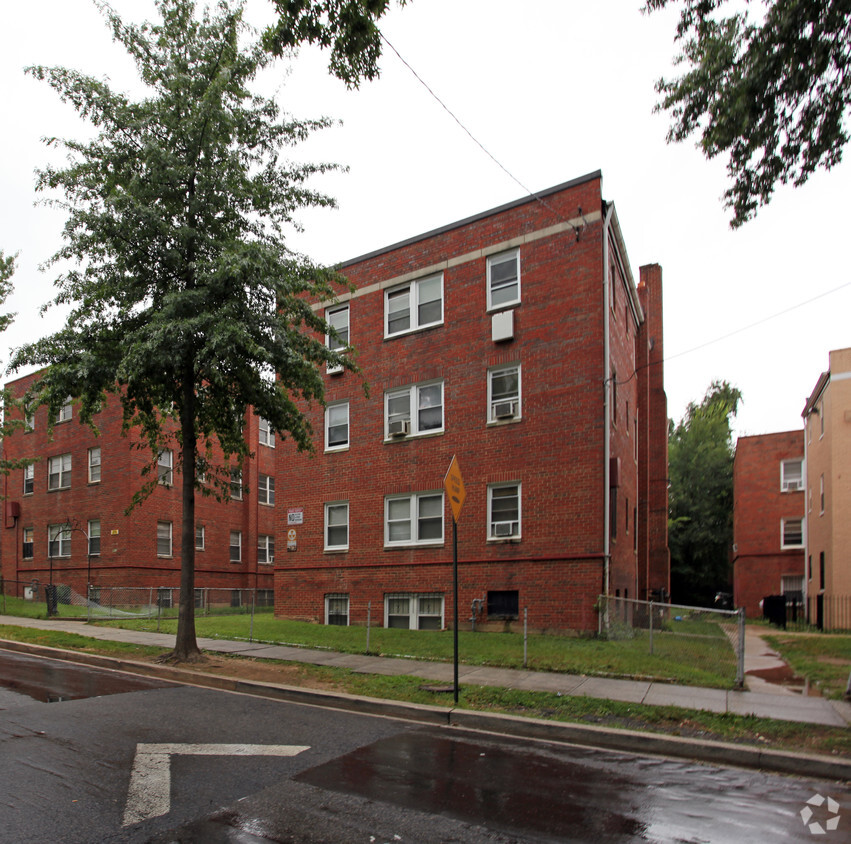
point(27, 532)
point(237, 535)
point(514, 525)
point(503, 258)
point(29, 479)
point(414, 519)
point(165, 467)
point(335, 510)
point(95, 462)
point(413, 289)
point(60, 535)
point(164, 528)
point(57, 468)
point(200, 534)
point(493, 401)
point(414, 392)
point(783, 543)
point(236, 483)
point(336, 409)
point(66, 412)
point(266, 490)
point(265, 434)
point(786, 484)
point(339, 318)
point(265, 549)
point(337, 597)
point(94, 537)
point(417, 609)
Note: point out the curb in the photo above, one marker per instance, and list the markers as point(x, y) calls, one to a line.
point(588, 735)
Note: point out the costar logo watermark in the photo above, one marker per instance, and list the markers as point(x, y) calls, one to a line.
point(830, 816)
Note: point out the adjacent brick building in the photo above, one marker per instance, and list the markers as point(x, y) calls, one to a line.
point(517, 341)
point(768, 519)
point(827, 421)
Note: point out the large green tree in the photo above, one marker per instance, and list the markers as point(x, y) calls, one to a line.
point(185, 302)
point(772, 89)
point(700, 468)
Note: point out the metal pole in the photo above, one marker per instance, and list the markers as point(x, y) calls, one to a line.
point(455, 590)
point(251, 626)
point(740, 667)
point(525, 635)
point(651, 628)
point(368, 623)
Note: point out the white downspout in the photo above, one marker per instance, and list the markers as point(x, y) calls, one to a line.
point(607, 415)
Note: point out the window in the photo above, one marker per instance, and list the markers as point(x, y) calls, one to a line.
point(165, 598)
point(236, 484)
point(29, 420)
point(504, 393)
point(94, 465)
point(338, 319)
point(414, 519)
point(415, 305)
point(413, 612)
point(265, 598)
point(266, 489)
point(337, 526)
point(504, 603)
point(163, 539)
point(27, 535)
point(265, 548)
point(59, 540)
point(337, 610)
point(504, 511)
point(337, 426)
point(65, 412)
point(792, 586)
point(165, 467)
point(792, 533)
point(417, 409)
point(236, 546)
point(504, 279)
point(821, 494)
point(59, 472)
point(821, 569)
point(29, 479)
point(265, 433)
point(791, 475)
point(94, 537)
point(200, 537)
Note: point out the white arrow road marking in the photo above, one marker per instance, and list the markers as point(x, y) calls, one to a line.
point(149, 795)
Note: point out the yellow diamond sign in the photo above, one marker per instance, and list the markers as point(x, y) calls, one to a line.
point(454, 484)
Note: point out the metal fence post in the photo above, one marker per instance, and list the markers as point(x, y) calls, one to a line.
point(651, 628)
point(368, 620)
point(740, 666)
point(251, 626)
point(159, 610)
point(525, 635)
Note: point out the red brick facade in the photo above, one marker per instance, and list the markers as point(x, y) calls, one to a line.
point(768, 507)
point(569, 452)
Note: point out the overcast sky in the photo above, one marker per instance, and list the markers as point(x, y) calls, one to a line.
point(553, 89)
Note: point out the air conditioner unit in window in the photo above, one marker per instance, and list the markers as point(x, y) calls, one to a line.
point(503, 529)
point(399, 428)
point(792, 486)
point(505, 410)
point(334, 370)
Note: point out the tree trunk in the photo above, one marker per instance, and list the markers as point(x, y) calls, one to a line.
point(186, 645)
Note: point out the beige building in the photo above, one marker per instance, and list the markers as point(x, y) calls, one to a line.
point(827, 422)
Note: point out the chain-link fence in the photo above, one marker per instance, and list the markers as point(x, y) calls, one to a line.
point(707, 639)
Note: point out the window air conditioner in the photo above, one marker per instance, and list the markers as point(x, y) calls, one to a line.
point(792, 486)
point(399, 428)
point(334, 370)
point(505, 410)
point(502, 529)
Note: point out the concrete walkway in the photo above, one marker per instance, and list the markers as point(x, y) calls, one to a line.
point(777, 702)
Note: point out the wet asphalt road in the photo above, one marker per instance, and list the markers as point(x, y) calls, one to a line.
point(65, 772)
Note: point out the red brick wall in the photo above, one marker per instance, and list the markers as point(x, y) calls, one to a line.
point(758, 508)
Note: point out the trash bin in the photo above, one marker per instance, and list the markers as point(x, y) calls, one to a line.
point(774, 609)
point(50, 598)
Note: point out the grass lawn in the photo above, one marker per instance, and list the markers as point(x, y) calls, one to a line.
point(823, 658)
point(691, 660)
point(38, 609)
point(668, 720)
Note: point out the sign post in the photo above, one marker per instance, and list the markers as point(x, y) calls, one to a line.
point(454, 485)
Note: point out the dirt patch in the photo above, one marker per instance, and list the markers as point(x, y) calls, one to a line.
point(833, 660)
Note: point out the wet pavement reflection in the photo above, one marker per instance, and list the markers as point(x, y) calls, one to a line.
point(52, 681)
point(573, 794)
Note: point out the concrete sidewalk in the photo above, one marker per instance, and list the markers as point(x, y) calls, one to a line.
point(779, 703)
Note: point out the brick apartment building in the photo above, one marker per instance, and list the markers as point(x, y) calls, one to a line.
point(768, 519)
point(65, 519)
point(517, 341)
point(827, 423)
